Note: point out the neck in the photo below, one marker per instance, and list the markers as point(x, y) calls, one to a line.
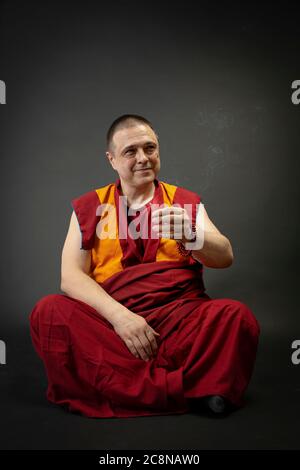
point(137, 194)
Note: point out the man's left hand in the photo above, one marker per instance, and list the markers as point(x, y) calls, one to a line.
point(172, 222)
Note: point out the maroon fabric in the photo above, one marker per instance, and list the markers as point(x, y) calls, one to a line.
point(206, 346)
point(85, 208)
point(139, 250)
point(143, 227)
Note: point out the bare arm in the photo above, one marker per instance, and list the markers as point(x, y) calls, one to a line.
point(76, 282)
point(75, 279)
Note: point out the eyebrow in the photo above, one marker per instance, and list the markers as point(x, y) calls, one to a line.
point(132, 146)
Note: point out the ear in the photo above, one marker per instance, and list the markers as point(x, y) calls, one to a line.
point(110, 157)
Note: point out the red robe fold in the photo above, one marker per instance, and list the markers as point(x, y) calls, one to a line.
point(205, 347)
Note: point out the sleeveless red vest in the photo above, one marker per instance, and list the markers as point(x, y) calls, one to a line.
point(109, 256)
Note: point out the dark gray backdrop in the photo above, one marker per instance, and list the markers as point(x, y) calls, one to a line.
point(215, 80)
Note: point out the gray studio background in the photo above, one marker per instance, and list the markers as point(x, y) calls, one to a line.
point(216, 85)
point(215, 79)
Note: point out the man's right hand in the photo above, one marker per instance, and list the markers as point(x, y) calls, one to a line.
point(138, 336)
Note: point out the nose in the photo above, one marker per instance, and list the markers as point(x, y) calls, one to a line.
point(141, 157)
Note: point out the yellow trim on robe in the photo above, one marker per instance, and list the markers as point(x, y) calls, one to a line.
point(107, 253)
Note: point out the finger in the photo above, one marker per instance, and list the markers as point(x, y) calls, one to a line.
point(168, 223)
point(176, 225)
point(146, 344)
point(177, 218)
point(167, 211)
point(137, 349)
point(152, 341)
point(172, 234)
point(171, 229)
point(132, 348)
point(168, 215)
point(154, 332)
point(165, 218)
point(142, 353)
point(160, 208)
point(177, 228)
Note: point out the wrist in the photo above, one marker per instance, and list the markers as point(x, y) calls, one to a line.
point(120, 314)
point(181, 244)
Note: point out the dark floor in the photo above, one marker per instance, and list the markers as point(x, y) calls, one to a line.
point(270, 420)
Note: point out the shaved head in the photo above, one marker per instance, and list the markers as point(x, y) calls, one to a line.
point(124, 122)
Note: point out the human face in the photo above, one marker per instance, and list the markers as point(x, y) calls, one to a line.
point(135, 155)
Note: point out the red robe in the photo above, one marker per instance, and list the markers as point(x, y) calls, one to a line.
point(206, 346)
